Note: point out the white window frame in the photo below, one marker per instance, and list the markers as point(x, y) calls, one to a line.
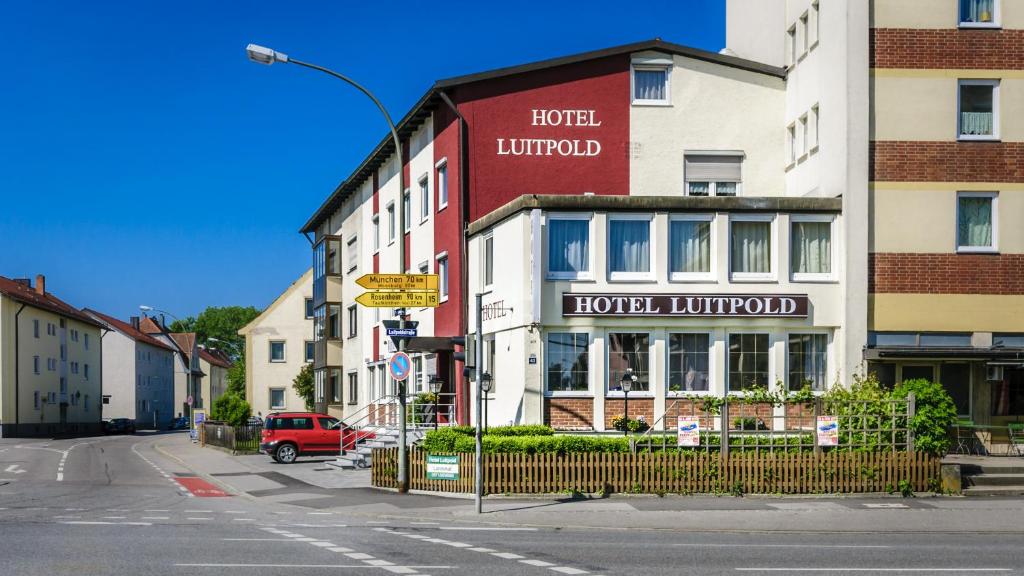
point(661, 64)
point(352, 253)
point(589, 392)
point(651, 358)
point(556, 275)
point(284, 399)
point(35, 365)
point(424, 184)
point(442, 286)
point(375, 227)
point(803, 29)
point(791, 46)
point(709, 276)
point(652, 260)
point(774, 260)
point(829, 359)
point(804, 136)
point(994, 248)
point(353, 392)
point(711, 364)
point(996, 18)
point(442, 191)
point(483, 261)
point(813, 24)
point(284, 351)
point(305, 347)
point(772, 373)
point(791, 147)
point(995, 109)
point(392, 222)
point(832, 276)
point(407, 202)
point(813, 130)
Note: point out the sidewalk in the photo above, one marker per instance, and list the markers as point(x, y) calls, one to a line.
point(315, 485)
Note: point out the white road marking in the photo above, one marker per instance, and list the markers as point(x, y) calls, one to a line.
point(156, 518)
point(60, 476)
point(486, 529)
point(507, 555)
point(15, 469)
point(319, 513)
point(323, 544)
point(67, 516)
point(305, 539)
point(424, 523)
point(436, 567)
point(340, 549)
point(359, 556)
point(93, 522)
point(197, 518)
point(539, 563)
point(886, 505)
point(197, 511)
point(458, 544)
point(399, 569)
point(243, 519)
point(482, 549)
point(156, 510)
point(258, 540)
point(234, 512)
point(114, 517)
point(805, 546)
point(568, 570)
point(874, 569)
point(376, 562)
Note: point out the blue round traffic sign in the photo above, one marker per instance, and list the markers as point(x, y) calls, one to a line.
point(399, 366)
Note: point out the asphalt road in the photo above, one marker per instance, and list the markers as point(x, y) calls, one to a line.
point(115, 505)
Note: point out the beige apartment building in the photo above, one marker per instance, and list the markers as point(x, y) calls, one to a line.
point(214, 365)
point(50, 363)
point(278, 343)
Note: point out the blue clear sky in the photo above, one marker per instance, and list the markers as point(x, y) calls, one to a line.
point(144, 160)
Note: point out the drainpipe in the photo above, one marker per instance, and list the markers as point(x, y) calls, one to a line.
point(464, 243)
point(99, 404)
point(17, 370)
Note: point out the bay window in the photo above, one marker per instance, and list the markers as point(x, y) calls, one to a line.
point(629, 247)
point(751, 248)
point(690, 241)
point(748, 361)
point(810, 247)
point(629, 351)
point(978, 102)
point(689, 362)
point(567, 362)
point(976, 222)
point(569, 247)
point(808, 361)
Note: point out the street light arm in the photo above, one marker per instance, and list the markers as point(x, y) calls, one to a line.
point(391, 125)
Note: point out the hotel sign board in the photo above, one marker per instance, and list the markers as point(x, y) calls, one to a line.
point(686, 305)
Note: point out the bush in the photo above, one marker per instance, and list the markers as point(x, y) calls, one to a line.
point(231, 408)
point(523, 430)
point(445, 437)
point(934, 414)
point(456, 439)
point(623, 424)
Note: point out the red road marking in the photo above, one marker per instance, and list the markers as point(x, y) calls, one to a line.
point(201, 488)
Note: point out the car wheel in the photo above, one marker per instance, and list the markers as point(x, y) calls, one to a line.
point(286, 454)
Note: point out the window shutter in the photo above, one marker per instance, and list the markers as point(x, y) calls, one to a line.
point(713, 167)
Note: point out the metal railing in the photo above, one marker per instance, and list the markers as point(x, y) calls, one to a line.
point(733, 424)
point(244, 438)
point(382, 413)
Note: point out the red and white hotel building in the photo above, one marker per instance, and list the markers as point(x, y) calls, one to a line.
point(629, 207)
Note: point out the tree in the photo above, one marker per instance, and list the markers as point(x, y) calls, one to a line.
point(236, 376)
point(303, 385)
point(221, 323)
point(231, 408)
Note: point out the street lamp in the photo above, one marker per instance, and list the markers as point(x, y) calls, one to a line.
point(435, 388)
point(267, 56)
point(232, 345)
point(486, 384)
point(627, 384)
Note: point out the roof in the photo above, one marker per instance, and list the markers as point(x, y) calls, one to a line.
point(215, 357)
point(47, 301)
point(128, 330)
point(150, 326)
point(306, 276)
point(569, 202)
point(423, 107)
point(185, 341)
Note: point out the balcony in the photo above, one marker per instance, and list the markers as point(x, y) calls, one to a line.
point(327, 271)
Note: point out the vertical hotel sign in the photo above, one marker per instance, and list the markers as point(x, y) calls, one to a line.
point(571, 118)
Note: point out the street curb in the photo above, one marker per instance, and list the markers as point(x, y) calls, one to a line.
point(233, 491)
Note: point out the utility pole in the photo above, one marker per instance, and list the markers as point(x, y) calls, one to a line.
point(478, 371)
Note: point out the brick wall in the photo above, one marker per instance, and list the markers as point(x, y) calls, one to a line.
point(905, 273)
point(637, 407)
point(947, 48)
point(904, 161)
point(686, 408)
point(569, 413)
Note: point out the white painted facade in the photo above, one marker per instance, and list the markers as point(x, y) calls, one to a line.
point(138, 381)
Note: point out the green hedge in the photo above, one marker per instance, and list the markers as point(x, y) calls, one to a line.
point(455, 439)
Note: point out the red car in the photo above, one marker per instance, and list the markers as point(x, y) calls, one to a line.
point(288, 435)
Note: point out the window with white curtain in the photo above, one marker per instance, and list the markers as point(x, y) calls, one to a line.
point(976, 222)
point(979, 13)
point(751, 248)
point(442, 184)
point(712, 174)
point(375, 230)
point(749, 357)
point(808, 361)
point(424, 198)
point(407, 209)
point(690, 247)
point(978, 102)
point(629, 351)
point(810, 247)
point(442, 274)
point(689, 362)
point(651, 83)
point(391, 222)
point(567, 364)
point(629, 247)
point(569, 246)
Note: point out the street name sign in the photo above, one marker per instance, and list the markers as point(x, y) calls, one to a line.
point(404, 332)
point(398, 281)
point(398, 299)
point(442, 467)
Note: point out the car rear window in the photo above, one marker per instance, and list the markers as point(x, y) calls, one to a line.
point(289, 423)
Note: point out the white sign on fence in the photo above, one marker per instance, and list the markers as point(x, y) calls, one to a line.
point(688, 431)
point(827, 428)
point(442, 467)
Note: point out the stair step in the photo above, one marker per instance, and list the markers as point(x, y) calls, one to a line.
point(995, 480)
point(974, 469)
point(1017, 490)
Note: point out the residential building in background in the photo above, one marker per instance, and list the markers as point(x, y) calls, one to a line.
point(187, 372)
point(138, 373)
point(214, 365)
point(278, 343)
point(50, 363)
point(929, 92)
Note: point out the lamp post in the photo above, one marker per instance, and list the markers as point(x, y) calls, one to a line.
point(267, 56)
point(189, 384)
point(486, 384)
point(435, 389)
point(627, 384)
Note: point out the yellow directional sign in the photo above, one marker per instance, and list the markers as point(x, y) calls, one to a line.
point(398, 299)
point(398, 281)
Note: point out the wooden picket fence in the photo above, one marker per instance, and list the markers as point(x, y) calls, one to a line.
point(675, 472)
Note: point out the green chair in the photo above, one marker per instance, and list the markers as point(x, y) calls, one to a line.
point(1015, 431)
point(966, 441)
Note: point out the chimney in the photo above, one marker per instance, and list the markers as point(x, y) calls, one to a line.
point(40, 284)
point(135, 322)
